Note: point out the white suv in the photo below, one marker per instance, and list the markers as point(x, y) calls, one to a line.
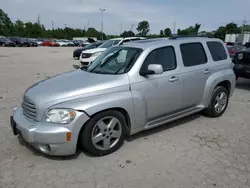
point(88, 56)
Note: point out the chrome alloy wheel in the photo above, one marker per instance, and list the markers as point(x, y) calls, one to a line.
point(106, 133)
point(220, 102)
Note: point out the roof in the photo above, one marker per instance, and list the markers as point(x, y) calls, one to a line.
point(116, 39)
point(158, 42)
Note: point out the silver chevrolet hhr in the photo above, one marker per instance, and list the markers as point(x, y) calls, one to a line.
point(127, 89)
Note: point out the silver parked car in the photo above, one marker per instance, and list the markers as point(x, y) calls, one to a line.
point(127, 89)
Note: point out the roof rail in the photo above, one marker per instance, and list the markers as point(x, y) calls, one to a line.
point(191, 36)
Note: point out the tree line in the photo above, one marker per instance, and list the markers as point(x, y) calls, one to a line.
point(37, 30)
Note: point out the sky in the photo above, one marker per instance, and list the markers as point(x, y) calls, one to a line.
point(123, 15)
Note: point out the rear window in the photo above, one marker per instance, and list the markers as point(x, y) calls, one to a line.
point(217, 51)
point(193, 54)
point(230, 44)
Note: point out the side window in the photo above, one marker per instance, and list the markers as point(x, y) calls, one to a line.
point(217, 51)
point(193, 54)
point(164, 56)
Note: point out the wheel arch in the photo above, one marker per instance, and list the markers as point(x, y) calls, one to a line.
point(225, 79)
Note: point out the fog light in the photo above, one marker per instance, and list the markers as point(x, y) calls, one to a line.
point(44, 148)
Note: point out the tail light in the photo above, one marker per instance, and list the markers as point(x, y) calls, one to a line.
point(232, 52)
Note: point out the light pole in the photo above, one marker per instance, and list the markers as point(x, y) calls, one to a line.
point(102, 11)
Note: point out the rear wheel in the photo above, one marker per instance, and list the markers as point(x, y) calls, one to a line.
point(218, 103)
point(103, 134)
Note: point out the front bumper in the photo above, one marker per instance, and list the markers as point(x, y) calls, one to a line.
point(49, 138)
point(242, 70)
point(87, 61)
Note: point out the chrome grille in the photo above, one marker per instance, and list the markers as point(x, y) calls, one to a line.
point(29, 108)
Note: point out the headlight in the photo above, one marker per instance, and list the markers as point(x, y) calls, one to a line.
point(96, 54)
point(240, 56)
point(60, 116)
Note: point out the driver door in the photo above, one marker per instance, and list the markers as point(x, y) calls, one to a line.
point(162, 93)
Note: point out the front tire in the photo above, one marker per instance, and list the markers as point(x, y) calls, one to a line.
point(104, 133)
point(218, 103)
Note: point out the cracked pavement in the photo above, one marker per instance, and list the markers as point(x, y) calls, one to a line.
point(195, 151)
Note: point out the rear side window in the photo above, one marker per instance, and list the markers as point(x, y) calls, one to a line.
point(193, 54)
point(217, 51)
point(164, 56)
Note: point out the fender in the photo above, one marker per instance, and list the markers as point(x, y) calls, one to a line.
point(95, 104)
point(214, 80)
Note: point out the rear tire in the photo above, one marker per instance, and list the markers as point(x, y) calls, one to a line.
point(104, 133)
point(218, 103)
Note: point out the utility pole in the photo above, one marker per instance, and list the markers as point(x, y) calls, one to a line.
point(102, 11)
point(52, 25)
point(38, 19)
point(243, 25)
point(88, 25)
point(174, 25)
point(121, 30)
point(66, 34)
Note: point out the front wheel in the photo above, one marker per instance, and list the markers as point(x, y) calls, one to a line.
point(103, 134)
point(218, 103)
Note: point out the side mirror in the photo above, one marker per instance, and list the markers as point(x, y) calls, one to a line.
point(152, 69)
point(157, 68)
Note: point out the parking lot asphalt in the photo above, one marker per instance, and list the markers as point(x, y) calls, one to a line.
point(192, 152)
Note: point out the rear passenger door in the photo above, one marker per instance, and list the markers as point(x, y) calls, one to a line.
point(196, 72)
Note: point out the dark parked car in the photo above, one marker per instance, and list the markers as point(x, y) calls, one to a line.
point(19, 41)
point(77, 52)
point(31, 42)
point(234, 49)
point(6, 42)
point(242, 63)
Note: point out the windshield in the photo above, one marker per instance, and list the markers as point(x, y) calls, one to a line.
point(93, 45)
point(109, 43)
point(115, 60)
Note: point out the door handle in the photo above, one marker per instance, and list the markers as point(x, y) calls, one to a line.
point(173, 79)
point(207, 71)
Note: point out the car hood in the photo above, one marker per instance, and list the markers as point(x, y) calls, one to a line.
point(246, 50)
point(91, 51)
point(76, 84)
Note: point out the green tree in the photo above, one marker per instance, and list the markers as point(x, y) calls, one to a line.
point(227, 29)
point(192, 30)
point(143, 28)
point(6, 26)
point(128, 34)
point(161, 33)
point(167, 32)
point(19, 28)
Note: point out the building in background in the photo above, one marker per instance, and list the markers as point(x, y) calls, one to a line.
point(241, 38)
